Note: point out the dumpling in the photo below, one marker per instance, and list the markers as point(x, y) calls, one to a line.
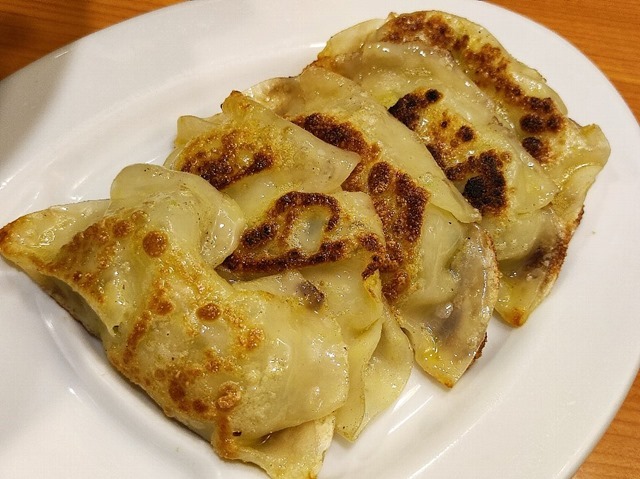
point(475, 108)
point(439, 270)
point(253, 369)
point(299, 218)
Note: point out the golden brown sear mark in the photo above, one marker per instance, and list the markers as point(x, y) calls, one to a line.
point(294, 202)
point(407, 109)
point(485, 187)
point(265, 248)
point(122, 228)
point(398, 200)
point(136, 335)
point(400, 204)
point(536, 148)
point(208, 312)
point(484, 182)
point(223, 166)
point(155, 243)
point(340, 134)
point(488, 65)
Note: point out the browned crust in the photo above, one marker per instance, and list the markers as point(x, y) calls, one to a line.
point(485, 187)
point(398, 200)
point(408, 108)
point(488, 65)
point(482, 175)
point(220, 166)
point(340, 134)
point(265, 248)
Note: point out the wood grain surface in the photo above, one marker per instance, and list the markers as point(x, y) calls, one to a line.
point(607, 32)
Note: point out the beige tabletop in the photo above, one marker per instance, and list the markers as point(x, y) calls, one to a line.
point(608, 32)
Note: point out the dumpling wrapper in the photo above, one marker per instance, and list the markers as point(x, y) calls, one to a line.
point(439, 272)
point(288, 184)
point(255, 371)
point(475, 107)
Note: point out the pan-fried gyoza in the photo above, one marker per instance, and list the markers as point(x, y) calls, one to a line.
point(300, 218)
point(497, 130)
point(273, 282)
point(438, 271)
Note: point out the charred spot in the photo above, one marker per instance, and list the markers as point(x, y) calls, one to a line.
point(340, 134)
point(488, 65)
point(372, 243)
point(266, 249)
point(223, 172)
point(465, 133)
point(485, 187)
point(399, 203)
point(482, 193)
point(215, 363)
point(259, 235)
point(420, 26)
point(536, 148)
point(407, 109)
point(372, 267)
point(395, 252)
point(261, 161)
point(533, 123)
point(432, 96)
point(540, 105)
point(554, 123)
point(356, 180)
point(401, 211)
point(208, 312)
point(403, 28)
point(155, 243)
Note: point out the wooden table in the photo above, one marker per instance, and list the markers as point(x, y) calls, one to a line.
point(607, 32)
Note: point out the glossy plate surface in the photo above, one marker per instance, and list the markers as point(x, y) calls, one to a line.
point(532, 407)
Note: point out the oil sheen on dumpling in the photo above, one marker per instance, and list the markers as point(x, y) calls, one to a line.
point(257, 372)
point(439, 268)
point(288, 184)
point(474, 106)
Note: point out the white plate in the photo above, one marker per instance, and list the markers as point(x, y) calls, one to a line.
point(533, 407)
